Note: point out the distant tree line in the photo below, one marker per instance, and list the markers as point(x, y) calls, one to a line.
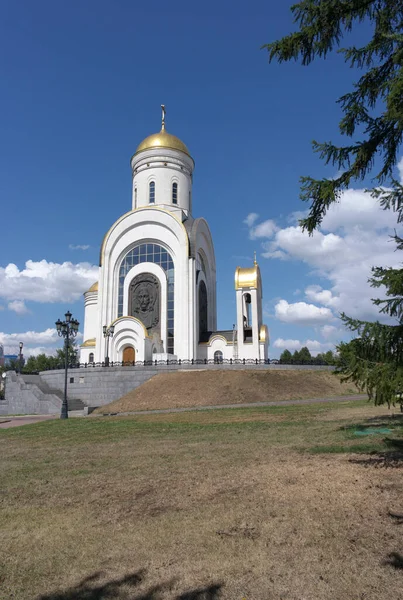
point(44, 362)
point(304, 357)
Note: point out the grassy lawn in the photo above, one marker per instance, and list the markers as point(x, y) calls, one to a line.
point(266, 503)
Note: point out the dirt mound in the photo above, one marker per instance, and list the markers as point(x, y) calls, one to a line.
point(208, 388)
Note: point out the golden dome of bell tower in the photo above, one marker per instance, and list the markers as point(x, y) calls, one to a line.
point(163, 139)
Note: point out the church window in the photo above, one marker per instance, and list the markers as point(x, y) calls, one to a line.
point(156, 254)
point(135, 197)
point(175, 193)
point(152, 192)
point(247, 318)
point(91, 357)
point(202, 309)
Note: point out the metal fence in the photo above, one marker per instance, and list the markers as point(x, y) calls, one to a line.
point(187, 362)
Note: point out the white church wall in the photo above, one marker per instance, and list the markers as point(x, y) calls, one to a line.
point(164, 167)
point(204, 246)
point(90, 315)
point(85, 354)
point(129, 331)
point(247, 350)
point(153, 225)
point(219, 344)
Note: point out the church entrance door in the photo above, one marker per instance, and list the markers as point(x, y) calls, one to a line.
point(129, 355)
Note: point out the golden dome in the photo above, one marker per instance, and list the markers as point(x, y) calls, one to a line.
point(163, 139)
point(88, 343)
point(247, 278)
point(93, 288)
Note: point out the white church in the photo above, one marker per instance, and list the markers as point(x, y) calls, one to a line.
point(155, 298)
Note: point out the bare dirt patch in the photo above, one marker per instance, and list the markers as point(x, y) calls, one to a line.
point(211, 388)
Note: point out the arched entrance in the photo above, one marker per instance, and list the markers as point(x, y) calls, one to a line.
point(129, 355)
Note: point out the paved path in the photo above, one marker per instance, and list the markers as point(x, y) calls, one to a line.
point(7, 422)
point(242, 405)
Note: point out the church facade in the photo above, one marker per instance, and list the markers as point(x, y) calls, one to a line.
point(155, 298)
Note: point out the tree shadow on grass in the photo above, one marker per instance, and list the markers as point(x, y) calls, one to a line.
point(392, 454)
point(94, 587)
point(395, 560)
point(378, 422)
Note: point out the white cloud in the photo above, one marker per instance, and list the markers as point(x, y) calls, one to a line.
point(314, 346)
point(18, 306)
point(330, 332)
point(45, 281)
point(35, 342)
point(266, 229)
point(316, 294)
point(354, 237)
point(43, 338)
point(357, 209)
point(251, 218)
point(79, 246)
point(301, 313)
point(39, 350)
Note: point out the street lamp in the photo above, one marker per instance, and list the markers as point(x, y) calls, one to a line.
point(67, 329)
point(20, 357)
point(108, 332)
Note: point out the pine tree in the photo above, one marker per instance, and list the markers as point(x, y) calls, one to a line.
point(286, 357)
point(305, 356)
point(373, 110)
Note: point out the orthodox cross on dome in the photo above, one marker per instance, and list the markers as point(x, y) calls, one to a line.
point(164, 112)
point(254, 258)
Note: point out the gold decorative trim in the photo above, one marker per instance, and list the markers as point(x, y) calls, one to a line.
point(88, 343)
point(93, 288)
point(263, 334)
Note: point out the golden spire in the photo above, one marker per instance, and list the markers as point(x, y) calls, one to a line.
point(164, 112)
point(254, 258)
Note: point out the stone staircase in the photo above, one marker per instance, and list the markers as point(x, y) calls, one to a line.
point(30, 394)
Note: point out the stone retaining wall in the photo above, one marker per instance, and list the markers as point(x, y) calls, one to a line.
point(97, 386)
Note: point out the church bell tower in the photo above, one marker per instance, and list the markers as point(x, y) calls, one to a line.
point(162, 171)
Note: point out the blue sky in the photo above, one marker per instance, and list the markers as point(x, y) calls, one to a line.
point(81, 85)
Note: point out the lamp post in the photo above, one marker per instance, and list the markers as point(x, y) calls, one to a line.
point(67, 329)
point(108, 332)
point(20, 357)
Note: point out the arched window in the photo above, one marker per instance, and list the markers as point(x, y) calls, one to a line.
point(218, 357)
point(175, 193)
point(160, 256)
point(152, 192)
point(91, 358)
point(135, 197)
point(203, 309)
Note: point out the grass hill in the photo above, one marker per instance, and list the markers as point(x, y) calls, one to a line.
point(213, 387)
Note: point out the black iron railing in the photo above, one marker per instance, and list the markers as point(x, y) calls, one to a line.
point(185, 362)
